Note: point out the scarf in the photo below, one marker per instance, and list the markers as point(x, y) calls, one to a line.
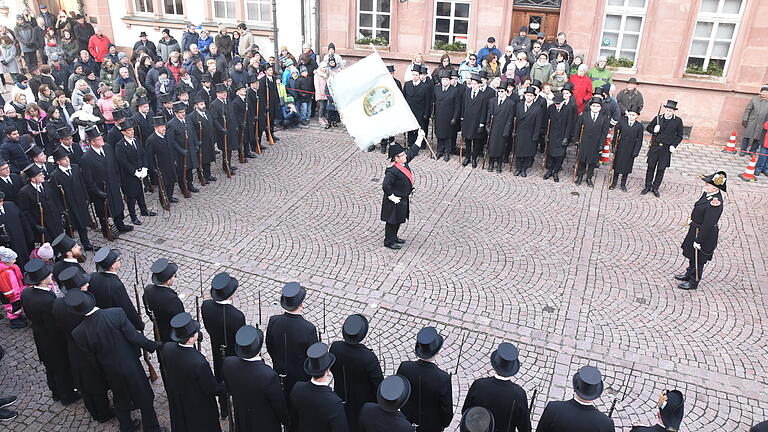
point(403, 169)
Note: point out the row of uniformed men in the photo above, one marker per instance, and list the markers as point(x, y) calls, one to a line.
point(90, 339)
point(504, 122)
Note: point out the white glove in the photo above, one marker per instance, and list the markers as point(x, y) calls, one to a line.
point(420, 139)
point(656, 129)
point(143, 172)
point(696, 246)
point(395, 199)
point(137, 174)
point(672, 149)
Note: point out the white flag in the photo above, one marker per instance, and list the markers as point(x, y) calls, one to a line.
point(369, 102)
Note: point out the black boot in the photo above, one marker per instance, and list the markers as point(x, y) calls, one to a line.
point(556, 175)
point(578, 179)
point(691, 284)
point(624, 182)
point(474, 161)
point(524, 173)
point(656, 192)
point(589, 180)
point(548, 175)
point(466, 161)
point(447, 157)
point(613, 182)
point(645, 190)
point(498, 167)
point(383, 149)
point(490, 165)
point(685, 276)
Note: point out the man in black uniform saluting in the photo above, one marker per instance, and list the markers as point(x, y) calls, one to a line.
point(667, 131)
point(255, 387)
point(315, 407)
point(385, 416)
point(700, 242)
point(671, 408)
point(398, 186)
point(578, 414)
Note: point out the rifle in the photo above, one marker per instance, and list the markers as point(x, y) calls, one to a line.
point(145, 354)
point(197, 315)
point(269, 120)
point(67, 218)
point(546, 144)
point(488, 144)
point(461, 349)
point(514, 141)
point(200, 176)
point(146, 181)
point(256, 133)
point(623, 391)
point(615, 145)
point(107, 226)
point(259, 307)
point(42, 217)
point(184, 185)
point(511, 413)
point(223, 350)
point(578, 147)
point(244, 125)
point(226, 146)
point(161, 187)
point(533, 399)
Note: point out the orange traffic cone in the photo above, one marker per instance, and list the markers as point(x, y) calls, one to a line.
point(749, 173)
point(605, 156)
point(730, 147)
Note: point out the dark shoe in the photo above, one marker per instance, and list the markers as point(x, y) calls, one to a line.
point(465, 162)
point(498, 167)
point(274, 138)
point(193, 189)
point(16, 323)
point(328, 126)
point(524, 173)
point(645, 190)
point(135, 425)
point(383, 149)
point(438, 155)
point(578, 180)
point(399, 241)
point(689, 285)
point(210, 178)
point(656, 193)
point(124, 228)
point(612, 186)
point(474, 162)
point(683, 277)
point(490, 166)
point(590, 183)
point(393, 246)
point(250, 155)
point(447, 157)
point(548, 175)
point(106, 418)
point(233, 169)
point(148, 213)
point(371, 148)
point(72, 399)
point(624, 186)
point(135, 221)
point(173, 200)
point(556, 175)
point(223, 413)
point(6, 415)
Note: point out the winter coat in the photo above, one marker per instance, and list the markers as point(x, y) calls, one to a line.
point(204, 45)
point(582, 90)
point(107, 77)
point(246, 41)
point(600, 77)
point(165, 47)
point(465, 69)
point(50, 50)
point(188, 38)
point(71, 49)
point(484, 51)
point(521, 44)
point(174, 70)
point(99, 47)
point(490, 71)
point(25, 35)
point(627, 99)
point(77, 97)
point(320, 79)
point(8, 61)
point(557, 81)
point(83, 34)
point(541, 72)
point(555, 48)
point(755, 114)
point(224, 43)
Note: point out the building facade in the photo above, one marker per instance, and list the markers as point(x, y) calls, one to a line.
point(706, 54)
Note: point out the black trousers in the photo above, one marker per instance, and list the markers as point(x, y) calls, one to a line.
point(82, 233)
point(98, 204)
point(123, 412)
point(30, 59)
point(207, 169)
point(555, 163)
point(623, 178)
point(690, 272)
point(390, 233)
point(444, 145)
point(59, 380)
point(97, 404)
point(655, 172)
point(523, 163)
point(132, 201)
point(588, 168)
point(473, 147)
point(185, 178)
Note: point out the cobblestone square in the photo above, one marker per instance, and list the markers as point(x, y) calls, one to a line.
point(573, 275)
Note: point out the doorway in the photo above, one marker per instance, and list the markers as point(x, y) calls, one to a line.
point(544, 20)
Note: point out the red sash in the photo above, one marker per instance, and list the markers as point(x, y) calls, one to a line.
point(405, 171)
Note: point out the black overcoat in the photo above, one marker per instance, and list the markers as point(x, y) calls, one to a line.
point(162, 156)
point(499, 120)
point(182, 138)
point(102, 174)
point(316, 408)
point(11, 190)
point(52, 213)
point(628, 145)
point(431, 402)
point(473, 114)
point(419, 99)
point(143, 129)
point(506, 400)
point(704, 228)
point(571, 416)
point(113, 136)
point(288, 337)
point(191, 389)
point(254, 106)
point(75, 153)
point(258, 400)
point(163, 303)
point(560, 127)
point(447, 108)
point(592, 137)
point(398, 184)
point(18, 230)
point(374, 419)
point(270, 99)
point(224, 124)
point(527, 129)
point(213, 318)
point(130, 158)
point(50, 341)
point(109, 291)
point(75, 193)
point(243, 118)
point(204, 133)
point(357, 375)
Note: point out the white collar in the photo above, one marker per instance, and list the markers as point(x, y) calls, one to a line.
point(6, 178)
point(293, 313)
point(42, 288)
point(499, 377)
point(72, 260)
point(318, 383)
point(185, 345)
point(64, 169)
point(581, 402)
point(92, 311)
point(224, 302)
point(253, 359)
point(160, 135)
point(110, 272)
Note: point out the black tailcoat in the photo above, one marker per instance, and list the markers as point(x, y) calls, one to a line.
point(75, 153)
point(163, 303)
point(670, 135)
point(397, 183)
point(374, 419)
point(52, 213)
point(273, 100)
point(703, 228)
point(431, 386)
point(243, 117)
point(113, 137)
point(593, 136)
point(447, 108)
point(316, 408)
point(101, 173)
point(527, 129)
point(357, 375)
point(288, 337)
point(571, 416)
point(628, 145)
point(11, 190)
point(143, 128)
point(560, 127)
point(75, 193)
point(191, 389)
point(130, 158)
point(499, 120)
point(473, 114)
point(256, 394)
point(109, 292)
point(499, 397)
point(213, 318)
point(254, 105)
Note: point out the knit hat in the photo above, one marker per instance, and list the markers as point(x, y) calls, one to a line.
point(7, 255)
point(121, 55)
point(45, 251)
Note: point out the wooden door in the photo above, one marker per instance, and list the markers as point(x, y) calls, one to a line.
point(537, 20)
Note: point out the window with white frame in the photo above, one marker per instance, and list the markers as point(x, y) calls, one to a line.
point(224, 10)
point(173, 7)
point(259, 11)
point(144, 6)
point(451, 21)
point(373, 18)
point(622, 30)
point(717, 24)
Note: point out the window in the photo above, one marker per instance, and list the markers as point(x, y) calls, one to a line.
point(224, 9)
point(144, 6)
point(173, 7)
point(451, 21)
point(539, 3)
point(373, 19)
point(716, 28)
point(622, 28)
point(258, 11)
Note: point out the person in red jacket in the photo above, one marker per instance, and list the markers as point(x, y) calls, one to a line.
point(11, 286)
point(98, 46)
point(582, 87)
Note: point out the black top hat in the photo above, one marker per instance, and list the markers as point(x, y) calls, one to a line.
point(588, 383)
point(197, 98)
point(632, 80)
point(598, 92)
point(595, 100)
point(530, 90)
point(32, 170)
point(454, 73)
point(292, 296)
point(59, 153)
point(35, 271)
point(475, 77)
point(106, 257)
point(166, 97)
point(163, 270)
point(390, 68)
point(354, 329)
point(719, 179)
point(445, 73)
point(671, 409)
point(92, 132)
point(73, 278)
point(394, 150)
point(81, 302)
point(143, 34)
point(318, 359)
point(253, 79)
point(179, 106)
point(536, 83)
point(124, 126)
point(423, 70)
point(2, 194)
point(558, 98)
point(568, 86)
point(239, 85)
point(141, 100)
point(223, 286)
point(671, 104)
point(505, 360)
point(182, 89)
point(64, 132)
point(63, 244)
point(221, 87)
point(183, 327)
point(33, 151)
point(158, 121)
point(477, 419)
point(483, 74)
point(206, 77)
point(428, 343)
point(118, 115)
point(416, 68)
point(393, 393)
point(248, 341)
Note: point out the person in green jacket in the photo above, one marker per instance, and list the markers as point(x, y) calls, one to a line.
point(600, 74)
